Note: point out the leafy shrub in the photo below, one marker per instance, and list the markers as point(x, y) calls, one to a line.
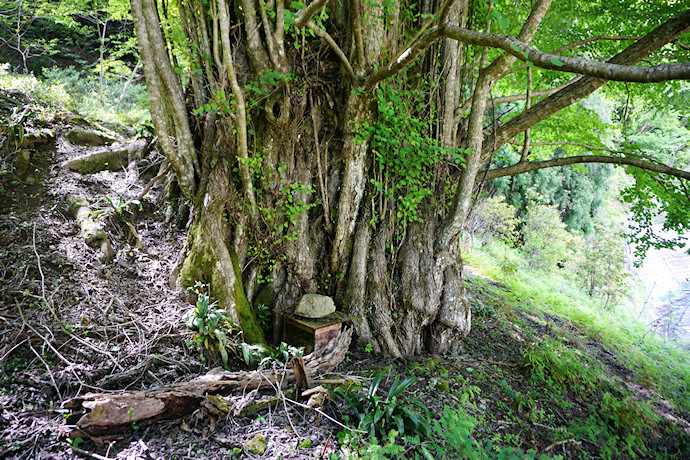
point(494, 217)
point(54, 95)
point(547, 244)
point(210, 326)
point(620, 423)
point(450, 436)
point(265, 356)
point(377, 415)
point(601, 266)
point(215, 335)
point(115, 105)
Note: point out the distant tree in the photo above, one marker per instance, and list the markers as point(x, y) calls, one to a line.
point(546, 242)
point(335, 147)
point(578, 193)
point(496, 218)
point(601, 265)
point(17, 34)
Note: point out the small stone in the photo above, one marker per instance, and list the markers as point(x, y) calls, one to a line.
point(256, 445)
point(315, 306)
point(51, 247)
point(441, 385)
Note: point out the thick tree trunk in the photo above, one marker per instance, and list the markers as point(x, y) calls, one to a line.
point(210, 258)
point(290, 191)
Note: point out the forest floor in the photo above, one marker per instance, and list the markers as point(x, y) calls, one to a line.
point(70, 325)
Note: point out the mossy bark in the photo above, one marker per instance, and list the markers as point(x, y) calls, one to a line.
point(210, 257)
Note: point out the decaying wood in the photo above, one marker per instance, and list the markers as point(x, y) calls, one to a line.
point(111, 158)
point(114, 413)
point(92, 231)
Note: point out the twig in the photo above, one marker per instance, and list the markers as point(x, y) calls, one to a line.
point(152, 182)
point(57, 353)
point(281, 395)
point(560, 443)
point(43, 281)
point(4, 357)
point(88, 454)
point(325, 415)
point(323, 452)
point(50, 373)
point(96, 349)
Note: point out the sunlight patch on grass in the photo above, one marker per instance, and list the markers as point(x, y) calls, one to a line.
point(663, 365)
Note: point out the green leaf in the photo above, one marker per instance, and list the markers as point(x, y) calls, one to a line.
point(425, 452)
point(503, 23)
point(555, 61)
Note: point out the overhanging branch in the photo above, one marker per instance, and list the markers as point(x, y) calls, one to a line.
point(570, 46)
point(521, 168)
point(584, 86)
point(334, 46)
point(513, 98)
point(604, 70)
point(575, 144)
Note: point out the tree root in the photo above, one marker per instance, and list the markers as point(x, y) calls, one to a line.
point(109, 158)
point(93, 232)
point(116, 413)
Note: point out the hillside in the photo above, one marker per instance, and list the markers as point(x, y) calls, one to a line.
point(529, 380)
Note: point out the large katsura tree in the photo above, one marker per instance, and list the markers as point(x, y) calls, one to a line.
point(337, 147)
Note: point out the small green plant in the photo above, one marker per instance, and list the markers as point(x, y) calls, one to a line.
point(265, 356)
point(210, 326)
point(120, 211)
point(75, 442)
point(378, 414)
point(617, 426)
point(550, 361)
point(263, 316)
point(121, 207)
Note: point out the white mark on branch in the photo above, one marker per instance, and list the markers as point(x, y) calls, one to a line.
point(402, 57)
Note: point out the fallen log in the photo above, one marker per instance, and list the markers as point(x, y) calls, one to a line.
point(106, 414)
point(112, 158)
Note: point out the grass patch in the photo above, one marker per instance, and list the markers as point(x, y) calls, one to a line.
point(658, 363)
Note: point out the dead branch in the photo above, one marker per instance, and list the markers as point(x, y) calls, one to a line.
point(92, 232)
point(114, 413)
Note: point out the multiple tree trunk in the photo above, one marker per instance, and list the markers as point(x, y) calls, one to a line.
point(264, 131)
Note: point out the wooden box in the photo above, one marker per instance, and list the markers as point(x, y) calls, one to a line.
point(310, 333)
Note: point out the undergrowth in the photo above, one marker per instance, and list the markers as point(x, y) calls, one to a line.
point(119, 103)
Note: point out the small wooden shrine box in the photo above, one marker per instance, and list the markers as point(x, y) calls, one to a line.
point(310, 333)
